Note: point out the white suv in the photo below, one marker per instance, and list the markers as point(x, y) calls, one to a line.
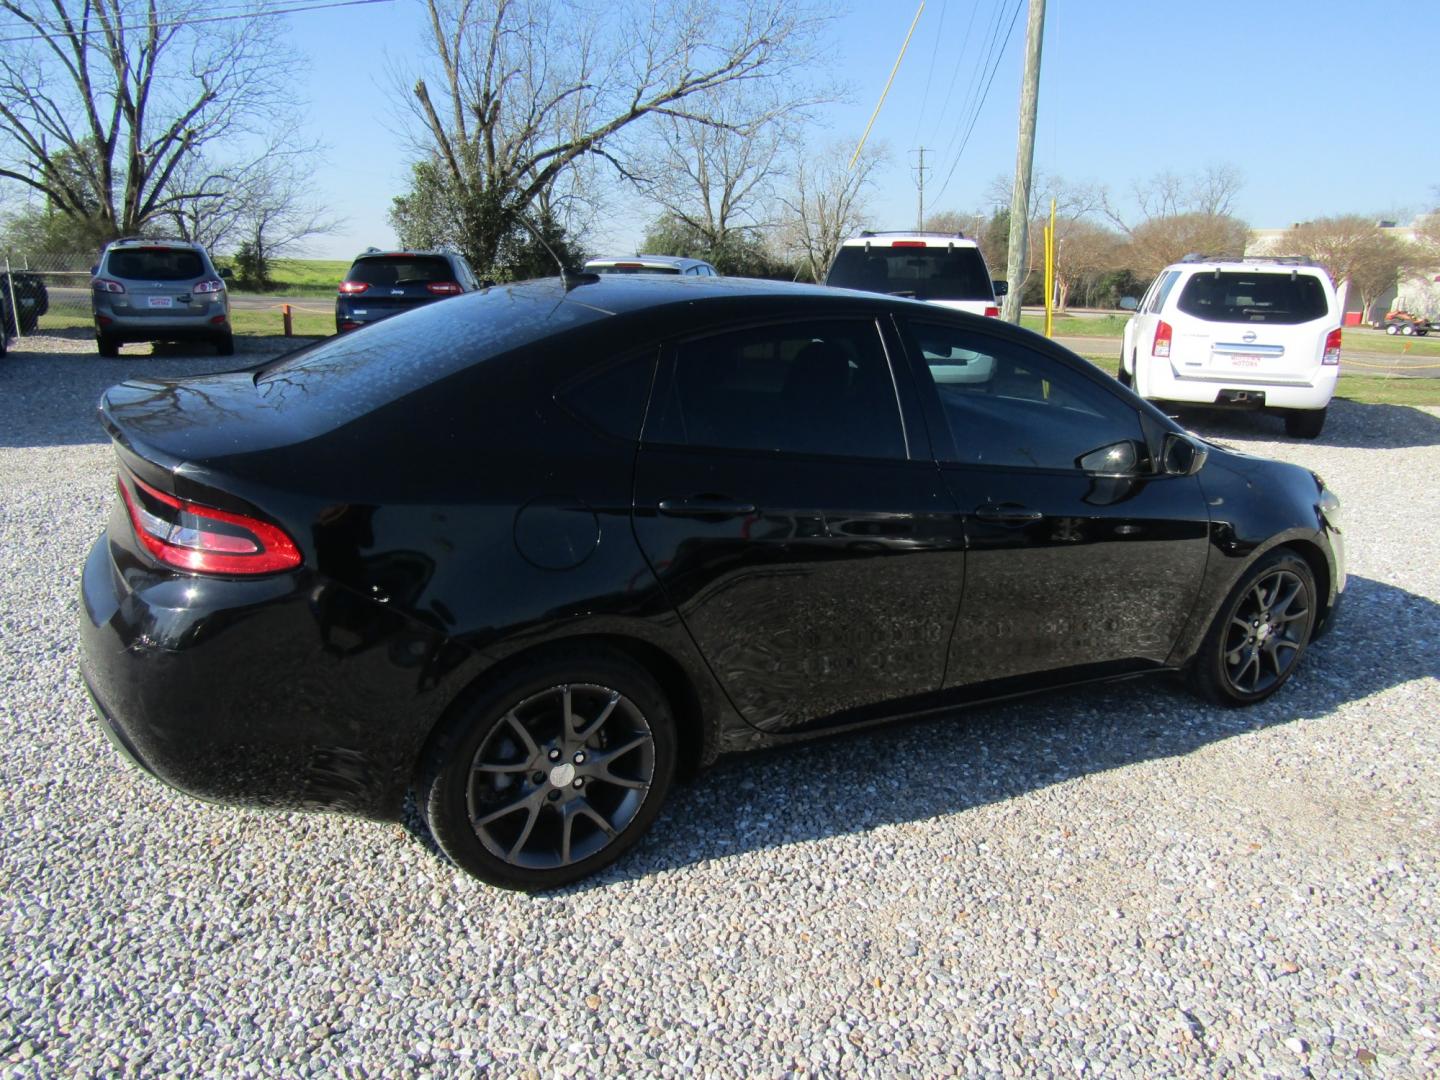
point(943, 268)
point(1258, 333)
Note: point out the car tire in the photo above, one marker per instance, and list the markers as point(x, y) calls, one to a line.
point(1126, 379)
point(1269, 613)
point(1305, 423)
point(1391, 328)
point(107, 346)
point(29, 323)
point(225, 344)
point(1407, 329)
point(520, 798)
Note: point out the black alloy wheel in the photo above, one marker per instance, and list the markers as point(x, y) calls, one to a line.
point(552, 775)
point(1260, 634)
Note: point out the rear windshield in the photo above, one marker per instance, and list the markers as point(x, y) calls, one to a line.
point(157, 264)
point(929, 273)
point(634, 268)
point(1238, 296)
point(353, 373)
point(401, 270)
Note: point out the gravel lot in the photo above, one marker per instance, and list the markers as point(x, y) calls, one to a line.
point(1114, 882)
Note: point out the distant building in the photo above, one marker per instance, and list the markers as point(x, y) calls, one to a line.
point(1419, 293)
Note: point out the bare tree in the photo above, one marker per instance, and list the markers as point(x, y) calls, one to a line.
point(267, 206)
point(127, 93)
point(523, 89)
point(1355, 251)
point(1075, 204)
point(1083, 250)
point(826, 204)
point(716, 180)
point(1180, 216)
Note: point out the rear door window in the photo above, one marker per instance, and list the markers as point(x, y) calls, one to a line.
point(926, 273)
point(1242, 296)
point(816, 386)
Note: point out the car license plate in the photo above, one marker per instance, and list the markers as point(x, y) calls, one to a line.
point(1244, 360)
point(27, 301)
point(161, 301)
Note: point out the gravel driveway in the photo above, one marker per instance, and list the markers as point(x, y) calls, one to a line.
point(1114, 882)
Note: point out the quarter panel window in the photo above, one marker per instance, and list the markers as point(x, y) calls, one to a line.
point(817, 386)
point(1008, 405)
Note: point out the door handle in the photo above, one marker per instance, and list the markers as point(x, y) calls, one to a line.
point(1007, 513)
point(702, 505)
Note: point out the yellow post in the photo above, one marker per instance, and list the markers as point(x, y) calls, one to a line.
point(1050, 274)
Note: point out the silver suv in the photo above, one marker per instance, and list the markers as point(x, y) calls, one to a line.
point(158, 290)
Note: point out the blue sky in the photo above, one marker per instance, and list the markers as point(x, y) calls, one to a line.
point(1302, 97)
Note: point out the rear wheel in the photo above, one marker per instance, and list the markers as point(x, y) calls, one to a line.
point(552, 773)
point(1391, 328)
point(225, 344)
point(1126, 379)
point(106, 345)
point(1305, 423)
point(1260, 634)
point(1407, 330)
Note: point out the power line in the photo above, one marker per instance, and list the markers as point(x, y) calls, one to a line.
point(165, 24)
point(983, 56)
point(930, 72)
point(978, 108)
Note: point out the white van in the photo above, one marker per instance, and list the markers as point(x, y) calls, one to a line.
point(942, 268)
point(1257, 333)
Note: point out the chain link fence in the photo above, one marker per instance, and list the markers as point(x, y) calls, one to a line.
point(44, 292)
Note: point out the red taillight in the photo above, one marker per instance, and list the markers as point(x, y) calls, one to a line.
point(1162, 339)
point(352, 288)
point(101, 284)
point(908, 243)
point(1332, 348)
point(991, 311)
point(443, 288)
point(202, 539)
point(349, 325)
point(214, 285)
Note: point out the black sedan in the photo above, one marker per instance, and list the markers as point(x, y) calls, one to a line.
point(530, 553)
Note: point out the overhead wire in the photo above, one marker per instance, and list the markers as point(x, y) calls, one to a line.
point(981, 104)
point(930, 72)
point(977, 75)
point(959, 61)
point(162, 24)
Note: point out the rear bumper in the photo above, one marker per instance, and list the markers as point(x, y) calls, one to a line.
point(279, 692)
point(1160, 382)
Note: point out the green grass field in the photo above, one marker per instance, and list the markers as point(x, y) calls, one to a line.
point(303, 277)
point(1075, 326)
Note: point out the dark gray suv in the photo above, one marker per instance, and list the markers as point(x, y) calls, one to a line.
point(385, 283)
point(158, 290)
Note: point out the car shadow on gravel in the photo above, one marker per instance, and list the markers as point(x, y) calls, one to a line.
point(51, 384)
point(1350, 424)
point(915, 770)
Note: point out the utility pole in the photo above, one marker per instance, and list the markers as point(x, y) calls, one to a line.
point(1024, 161)
point(920, 182)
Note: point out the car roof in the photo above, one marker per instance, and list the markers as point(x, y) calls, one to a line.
point(884, 238)
point(679, 262)
point(376, 253)
point(154, 241)
point(1275, 264)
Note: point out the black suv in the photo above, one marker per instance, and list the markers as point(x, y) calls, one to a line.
point(384, 283)
point(32, 299)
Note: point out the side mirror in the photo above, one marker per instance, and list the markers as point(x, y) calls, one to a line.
point(226, 274)
point(1128, 303)
point(1001, 286)
point(1117, 459)
point(94, 269)
point(1182, 456)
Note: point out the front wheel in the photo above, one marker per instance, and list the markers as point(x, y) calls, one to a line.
point(1391, 328)
point(1260, 633)
point(552, 773)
